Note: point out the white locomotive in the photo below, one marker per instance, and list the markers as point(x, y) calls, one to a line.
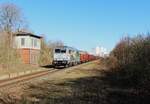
point(65, 56)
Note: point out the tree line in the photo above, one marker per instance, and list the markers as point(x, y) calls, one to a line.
point(129, 62)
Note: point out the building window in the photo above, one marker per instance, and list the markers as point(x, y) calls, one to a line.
point(35, 43)
point(32, 42)
point(22, 41)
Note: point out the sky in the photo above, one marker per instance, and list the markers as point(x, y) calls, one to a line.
point(85, 24)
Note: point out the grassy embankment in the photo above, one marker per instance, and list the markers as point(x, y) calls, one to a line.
point(123, 78)
point(89, 84)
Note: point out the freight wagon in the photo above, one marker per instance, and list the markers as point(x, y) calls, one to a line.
point(91, 57)
point(83, 56)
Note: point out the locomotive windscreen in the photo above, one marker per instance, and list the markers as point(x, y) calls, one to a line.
point(63, 51)
point(60, 51)
point(57, 50)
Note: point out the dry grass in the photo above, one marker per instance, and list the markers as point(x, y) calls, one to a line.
point(17, 68)
point(54, 87)
point(85, 85)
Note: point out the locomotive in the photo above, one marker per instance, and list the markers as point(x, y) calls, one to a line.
point(68, 56)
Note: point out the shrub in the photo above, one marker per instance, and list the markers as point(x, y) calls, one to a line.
point(44, 58)
point(111, 62)
point(133, 59)
point(8, 54)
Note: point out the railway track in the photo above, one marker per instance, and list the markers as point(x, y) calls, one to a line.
point(23, 78)
point(11, 81)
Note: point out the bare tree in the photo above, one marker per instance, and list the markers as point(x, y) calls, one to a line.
point(46, 56)
point(53, 44)
point(10, 17)
point(11, 20)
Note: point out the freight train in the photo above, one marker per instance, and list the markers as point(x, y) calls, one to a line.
point(68, 56)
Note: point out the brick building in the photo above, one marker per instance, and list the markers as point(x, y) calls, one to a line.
point(29, 46)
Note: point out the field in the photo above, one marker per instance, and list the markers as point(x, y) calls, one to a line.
point(83, 84)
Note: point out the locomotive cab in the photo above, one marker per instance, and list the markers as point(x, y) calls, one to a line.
point(65, 56)
point(60, 57)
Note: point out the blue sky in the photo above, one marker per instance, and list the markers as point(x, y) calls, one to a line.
point(85, 24)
